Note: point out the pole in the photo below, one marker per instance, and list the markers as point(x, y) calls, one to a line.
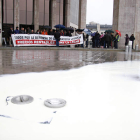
point(59, 11)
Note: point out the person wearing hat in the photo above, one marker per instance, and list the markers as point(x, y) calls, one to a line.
point(16, 31)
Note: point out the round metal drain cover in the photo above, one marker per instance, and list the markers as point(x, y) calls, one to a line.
point(22, 99)
point(55, 103)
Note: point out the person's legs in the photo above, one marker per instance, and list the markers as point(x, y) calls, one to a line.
point(10, 41)
point(116, 45)
point(108, 44)
point(95, 42)
point(132, 44)
point(57, 43)
point(87, 43)
point(104, 44)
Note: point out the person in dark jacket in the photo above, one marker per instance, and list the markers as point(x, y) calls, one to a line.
point(68, 33)
point(107, 39)
point(22, 31)
point(32, 32)
point(112, 39)
point(16, 31)
point(132, 38)
point(11, 31)
point(29, 30)
point(97, 37)
point(87, 37)
point(57, 37)
point(126, 39)
point(37, 32)
point(93, 41)
point(51, 32)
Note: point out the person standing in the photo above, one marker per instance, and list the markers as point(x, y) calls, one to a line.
point(57, 37)
point(87, 36)
point(29, 30)
point(93, 41)
point(44, 32)
point(25, 31)
point(97, 37)
point(112, 38)
point(126, 39)
point(16, 31)
point(132, 38)
point(107, 40)
point(32, 32)
point(22, 31)
point(61, 33)
point(117, 38)
point(51, 32)
point(11, 31)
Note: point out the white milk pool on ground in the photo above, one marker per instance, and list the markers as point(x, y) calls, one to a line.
point(103, 103)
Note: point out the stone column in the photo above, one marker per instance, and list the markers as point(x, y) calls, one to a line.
point(137, 24)
point(0, 23)
point(53, 13)
point(16, 13)
point(126, 19)
point(82, 13)
point(36, 15)
point(67, 16)
point(98, 28)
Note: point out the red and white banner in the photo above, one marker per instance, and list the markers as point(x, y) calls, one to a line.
point(44, 40)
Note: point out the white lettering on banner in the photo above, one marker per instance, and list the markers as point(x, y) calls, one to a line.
point(44, 40)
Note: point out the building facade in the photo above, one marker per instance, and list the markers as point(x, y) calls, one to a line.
point(38, 13)
point(94, 27)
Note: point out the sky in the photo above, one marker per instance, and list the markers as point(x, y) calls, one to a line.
point(100, 11)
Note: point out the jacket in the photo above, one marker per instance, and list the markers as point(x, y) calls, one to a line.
point(57, 35)
point(16, 31)
point(132, 38)
point(10, 32)
point(107, 37)
point(44, 33)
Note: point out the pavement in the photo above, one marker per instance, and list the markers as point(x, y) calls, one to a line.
point(62, 48)
point(23, 59)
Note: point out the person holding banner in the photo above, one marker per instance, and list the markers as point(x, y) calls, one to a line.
point(57, 37)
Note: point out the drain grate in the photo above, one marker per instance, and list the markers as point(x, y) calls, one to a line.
point(22, 99)
point(55, 103)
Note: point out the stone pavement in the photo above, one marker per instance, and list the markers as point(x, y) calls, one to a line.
point(14, 61)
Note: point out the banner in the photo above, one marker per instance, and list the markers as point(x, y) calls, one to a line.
point(44, 40)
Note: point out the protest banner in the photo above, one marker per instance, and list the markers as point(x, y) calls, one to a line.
point(44, 40)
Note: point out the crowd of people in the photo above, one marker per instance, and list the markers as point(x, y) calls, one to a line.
point(62, 32)
point(103, 40)
point(106, 40)
point(131, 38)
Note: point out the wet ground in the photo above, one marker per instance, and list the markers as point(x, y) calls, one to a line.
point(21, 61)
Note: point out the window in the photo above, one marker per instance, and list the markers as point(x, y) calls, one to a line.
point(26, 11)
point(44, 12)
point(8, 11)
point(59, 14)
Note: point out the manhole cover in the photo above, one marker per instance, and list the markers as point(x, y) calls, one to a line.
point(22, 99)
point(55, 103)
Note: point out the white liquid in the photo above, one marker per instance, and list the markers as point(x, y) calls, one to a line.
point(103, 103)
